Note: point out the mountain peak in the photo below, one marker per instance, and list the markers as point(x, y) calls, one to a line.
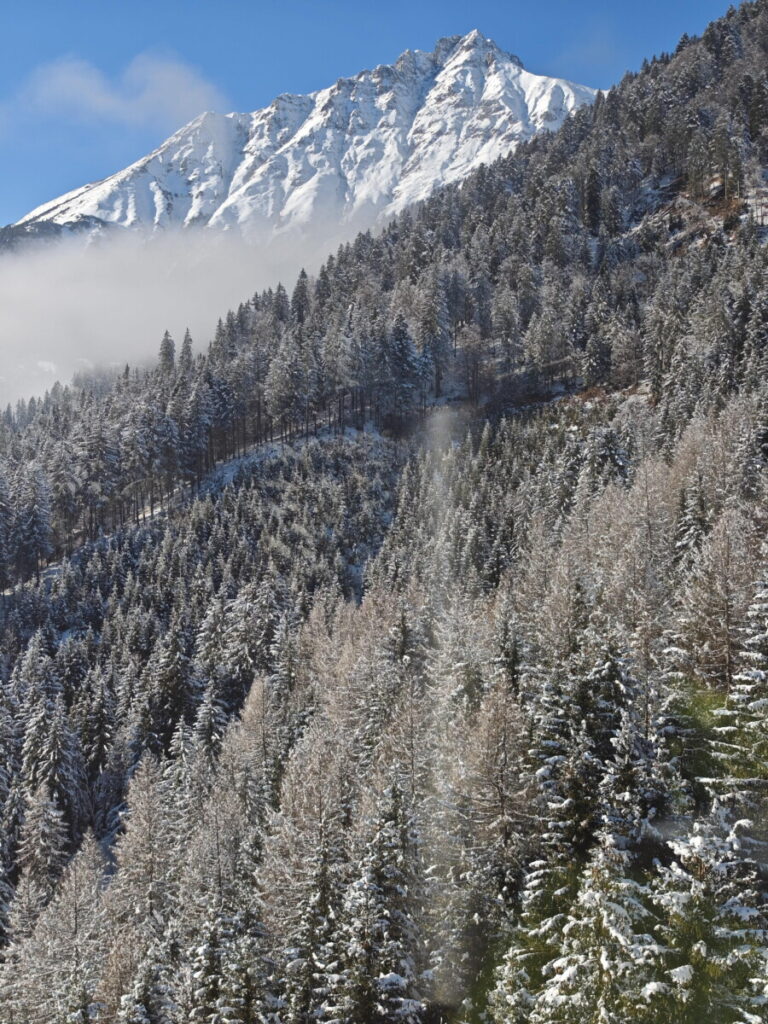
point(473, 42)
point(352, 154)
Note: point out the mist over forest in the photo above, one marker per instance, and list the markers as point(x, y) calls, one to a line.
point(74, 304)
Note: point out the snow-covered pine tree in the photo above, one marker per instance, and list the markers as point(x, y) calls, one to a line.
point(709, 959)
point(378, 929)
point(739, 746)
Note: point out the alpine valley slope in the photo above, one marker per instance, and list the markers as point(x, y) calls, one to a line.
point(348, 156)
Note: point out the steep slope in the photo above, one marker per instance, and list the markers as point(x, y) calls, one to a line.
point(535, 749)
point(353, 153)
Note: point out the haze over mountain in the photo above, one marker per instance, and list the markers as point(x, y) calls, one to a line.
point(352, 154)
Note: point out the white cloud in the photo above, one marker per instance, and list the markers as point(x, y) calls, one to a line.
point(153, 90)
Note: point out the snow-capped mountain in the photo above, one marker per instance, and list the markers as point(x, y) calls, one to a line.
point(350, 155)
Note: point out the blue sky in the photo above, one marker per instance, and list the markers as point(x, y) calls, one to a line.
point(87, 86)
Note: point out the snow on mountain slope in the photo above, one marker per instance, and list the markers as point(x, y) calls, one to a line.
point(351, 154)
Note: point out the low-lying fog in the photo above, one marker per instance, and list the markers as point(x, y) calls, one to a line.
point(70, 304)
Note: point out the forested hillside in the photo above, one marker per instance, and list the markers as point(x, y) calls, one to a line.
point(445, 697)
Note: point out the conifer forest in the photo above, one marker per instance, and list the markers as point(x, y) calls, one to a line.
point(400, 656)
